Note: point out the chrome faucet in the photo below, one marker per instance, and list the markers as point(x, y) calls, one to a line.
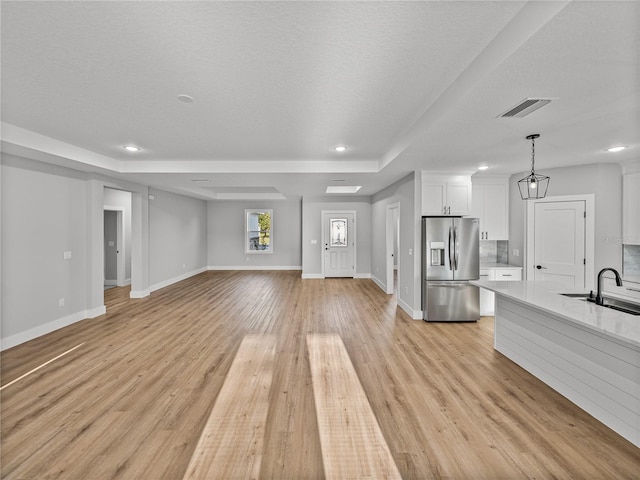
point(599, 300)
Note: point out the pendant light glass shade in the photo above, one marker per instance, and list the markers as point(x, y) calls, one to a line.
point(533, 185)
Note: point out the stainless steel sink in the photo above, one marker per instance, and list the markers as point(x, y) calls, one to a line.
point(609, 302)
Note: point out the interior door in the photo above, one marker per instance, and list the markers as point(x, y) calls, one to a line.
point(559, 242)
point(339, 244)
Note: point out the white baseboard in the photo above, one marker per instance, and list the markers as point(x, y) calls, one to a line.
point(312, 276)
point(127, 281)
point(49, 327)
point(179, 278)
point(379, 283)
point(96, 312)
point(113, 283)
point(414, 314)
point(319, 275)
point(362, 275)
point(139, 293)
point(252, 267)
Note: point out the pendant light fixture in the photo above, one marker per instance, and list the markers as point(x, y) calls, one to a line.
point(533, 185)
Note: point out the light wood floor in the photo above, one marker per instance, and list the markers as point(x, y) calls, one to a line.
point(134, 399)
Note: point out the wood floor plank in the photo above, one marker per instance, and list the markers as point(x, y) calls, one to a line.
point(231, 445)
point(352, 444)
point(133, 401)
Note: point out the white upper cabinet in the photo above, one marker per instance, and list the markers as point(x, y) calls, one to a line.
point(490, 205)
point(631, 209)
point(446, 195)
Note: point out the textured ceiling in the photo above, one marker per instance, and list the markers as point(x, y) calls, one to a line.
point(276, 85)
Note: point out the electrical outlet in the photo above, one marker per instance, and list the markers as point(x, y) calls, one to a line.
point(406, 290)
point(61, 302)
point(184, 265)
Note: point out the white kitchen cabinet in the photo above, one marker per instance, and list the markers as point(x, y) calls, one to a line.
point(631, 209)
point(490, 201)
point(498, 274)
point(446, 195)
point(487, 298)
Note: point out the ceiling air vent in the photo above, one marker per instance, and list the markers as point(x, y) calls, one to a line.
point(525, 107)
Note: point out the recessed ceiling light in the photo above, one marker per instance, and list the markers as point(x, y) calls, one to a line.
point(340, 148)
point(483, 167)
point(343, 189)
point(616, 149)
point(185, 98)
point(131, 148)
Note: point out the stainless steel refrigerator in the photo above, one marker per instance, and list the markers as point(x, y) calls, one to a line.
point(450, 259)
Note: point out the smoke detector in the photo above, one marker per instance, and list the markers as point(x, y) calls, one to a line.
point(525, 107)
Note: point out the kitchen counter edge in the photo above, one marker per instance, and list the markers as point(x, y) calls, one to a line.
point(547, 297)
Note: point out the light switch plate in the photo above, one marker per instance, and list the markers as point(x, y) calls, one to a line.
point(66, 255)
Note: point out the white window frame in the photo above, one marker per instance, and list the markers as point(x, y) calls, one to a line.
point(247, 228)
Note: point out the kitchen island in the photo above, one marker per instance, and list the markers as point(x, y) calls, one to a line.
point(588, 353)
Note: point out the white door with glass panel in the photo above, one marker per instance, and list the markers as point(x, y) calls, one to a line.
point(559, 242)
point(339, 244)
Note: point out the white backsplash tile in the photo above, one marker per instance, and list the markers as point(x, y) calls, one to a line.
point(494, 251)
point(631, 259)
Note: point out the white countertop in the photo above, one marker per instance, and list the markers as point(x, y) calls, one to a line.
point(546, 297)
point(498, 265)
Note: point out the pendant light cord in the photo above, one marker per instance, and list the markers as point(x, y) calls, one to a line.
point(533, 155)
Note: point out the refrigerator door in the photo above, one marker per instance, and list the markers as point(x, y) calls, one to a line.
point(466, 250)
point(452, 302)
point(437, 248)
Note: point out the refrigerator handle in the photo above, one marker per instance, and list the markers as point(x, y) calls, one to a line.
point(450, 251)
point(455, 247)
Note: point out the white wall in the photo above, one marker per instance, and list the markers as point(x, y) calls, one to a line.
point(43, 215)
point(177, 237)
point(602, 180)
point(47, 210)
point(403, 192)
point(312, 255)
point(226, 233)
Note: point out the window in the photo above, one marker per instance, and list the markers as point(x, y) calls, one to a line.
point(258, 237)
point(339, 232)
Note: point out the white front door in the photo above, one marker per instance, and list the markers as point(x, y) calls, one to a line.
point(559, 243)
point(339, 244)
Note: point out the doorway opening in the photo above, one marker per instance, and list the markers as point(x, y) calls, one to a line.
point(117, 238)
point(392, 247)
